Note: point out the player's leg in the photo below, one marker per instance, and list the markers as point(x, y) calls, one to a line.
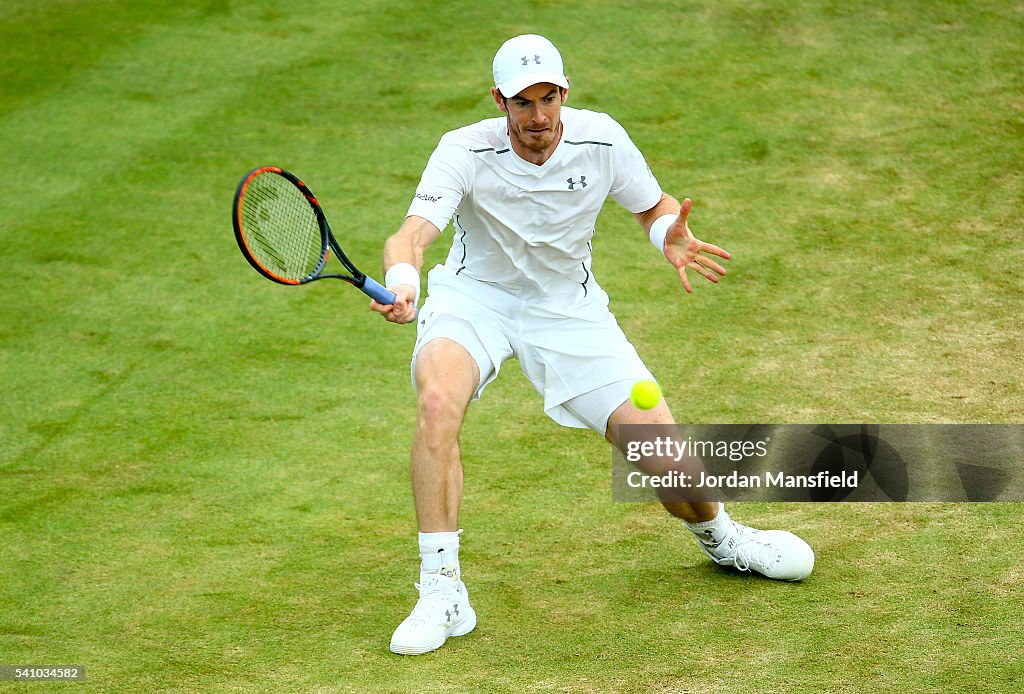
point(460, 347)
point(577, 352)
point(692, 510)
point(776, 554)
point(447, 377)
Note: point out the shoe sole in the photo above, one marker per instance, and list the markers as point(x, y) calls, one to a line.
point(461, 629)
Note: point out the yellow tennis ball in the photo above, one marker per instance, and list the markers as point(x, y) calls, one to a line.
point(645, 394)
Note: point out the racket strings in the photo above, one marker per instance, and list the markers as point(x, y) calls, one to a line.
point(281, 229)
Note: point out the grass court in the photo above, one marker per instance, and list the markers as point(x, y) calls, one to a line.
point(203, 476)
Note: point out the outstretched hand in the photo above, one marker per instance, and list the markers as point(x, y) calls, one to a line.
point(686, 252)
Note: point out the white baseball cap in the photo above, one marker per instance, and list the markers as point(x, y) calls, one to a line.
point(526, 60)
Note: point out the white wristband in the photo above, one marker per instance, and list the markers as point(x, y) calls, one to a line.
point(403, 273)
point(659, 230)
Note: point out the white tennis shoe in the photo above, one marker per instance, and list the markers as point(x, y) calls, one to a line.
point(443, 610)
point(777, 554)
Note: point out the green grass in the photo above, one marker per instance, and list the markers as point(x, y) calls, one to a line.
point(203, 477)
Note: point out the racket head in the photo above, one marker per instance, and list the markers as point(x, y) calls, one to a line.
point(280, 227)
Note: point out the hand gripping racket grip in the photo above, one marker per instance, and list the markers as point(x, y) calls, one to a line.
point(377, 292)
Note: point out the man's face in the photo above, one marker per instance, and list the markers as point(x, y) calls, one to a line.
point(534, 116)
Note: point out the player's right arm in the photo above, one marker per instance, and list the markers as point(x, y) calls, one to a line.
point(444, 182)
point(406, 246)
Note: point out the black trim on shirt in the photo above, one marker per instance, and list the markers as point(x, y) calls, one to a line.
point(464, 249)
point(588, 142)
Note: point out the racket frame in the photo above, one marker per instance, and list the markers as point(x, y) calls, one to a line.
point(358, 279)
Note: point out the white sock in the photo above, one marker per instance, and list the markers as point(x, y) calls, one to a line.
point(439, 550)
point(712, 532)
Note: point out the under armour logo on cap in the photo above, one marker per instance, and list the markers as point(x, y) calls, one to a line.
point(526, 60)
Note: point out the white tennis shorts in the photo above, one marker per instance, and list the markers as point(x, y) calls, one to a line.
point(576, 356)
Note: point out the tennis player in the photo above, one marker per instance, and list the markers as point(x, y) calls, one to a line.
point(523, 192)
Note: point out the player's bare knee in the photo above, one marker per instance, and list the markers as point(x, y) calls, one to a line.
point(439, 409)
point(627, 413)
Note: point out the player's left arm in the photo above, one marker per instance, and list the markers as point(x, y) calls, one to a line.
point(680, 247)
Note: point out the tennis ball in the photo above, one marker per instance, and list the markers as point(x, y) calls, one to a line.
point(645, 394)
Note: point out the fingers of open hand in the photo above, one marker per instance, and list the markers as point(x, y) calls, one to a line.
point(703, 265)
point(685, 280)
point(698, 259)
point(707, 267)
point(714, 250)
point(684, 210)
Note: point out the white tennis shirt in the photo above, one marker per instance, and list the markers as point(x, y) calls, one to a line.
point(526, 227)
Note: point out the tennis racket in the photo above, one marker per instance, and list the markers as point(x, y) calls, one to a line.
point(283, 233)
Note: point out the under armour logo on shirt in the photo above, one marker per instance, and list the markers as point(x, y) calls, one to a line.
point(526, 61)
point(582, 183)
